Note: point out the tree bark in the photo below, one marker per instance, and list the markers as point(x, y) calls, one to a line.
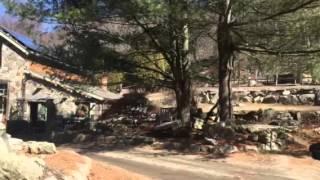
point(225, 50)
point(183, 92)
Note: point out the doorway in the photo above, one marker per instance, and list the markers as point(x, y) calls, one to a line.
point(38, 114)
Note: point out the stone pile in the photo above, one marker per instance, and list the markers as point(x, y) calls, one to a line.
point(268, 138)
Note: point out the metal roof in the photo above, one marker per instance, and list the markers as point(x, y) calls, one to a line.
point(26, 41)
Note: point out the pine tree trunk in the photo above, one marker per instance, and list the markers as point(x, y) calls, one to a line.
point(225, 91)
point(183, 98)
point(225, 49)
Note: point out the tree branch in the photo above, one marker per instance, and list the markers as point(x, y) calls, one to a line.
point(277, 14)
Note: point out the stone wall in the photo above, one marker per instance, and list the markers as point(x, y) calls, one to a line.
point(287, 97)
point(12, 70)
point(64, 102)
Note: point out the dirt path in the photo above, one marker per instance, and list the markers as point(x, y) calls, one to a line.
point(169, 165)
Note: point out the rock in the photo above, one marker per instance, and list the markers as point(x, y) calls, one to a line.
point(289, 99)
point(251, 116)
point(178, 145)
point(251, 148)
point(268, 114)
point(2, 128)
point(307, 99)
point(298, 116)
point(286, 93)
point(15, 144)
point(80, 138)
point(34, 147)
point(317, 98)
point(13, 166)
point(255, 128)
point(254, 137)
point(213, 99)
point(195, 148)
point(309, 117)
point(257, 93)
point(316, 130)
point(206, 148)
point(284, 116)
point(270, 147)
point(258, 99)
point(211, 141)
point(4, 147)
point(149, 140)
point(198, 123)
point(246, 99)
point(228, 149)
point(136, 140)
point(270, 99)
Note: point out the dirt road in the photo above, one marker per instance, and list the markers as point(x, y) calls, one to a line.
point(173, 166)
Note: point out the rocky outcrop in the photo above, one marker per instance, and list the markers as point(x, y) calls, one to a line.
point(13, 166)
point(34, 147)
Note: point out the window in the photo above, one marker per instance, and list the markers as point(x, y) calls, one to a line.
point(1, 54)
point(3, 98)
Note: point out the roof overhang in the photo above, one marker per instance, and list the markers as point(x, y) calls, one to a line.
point(14, 42)
point(68, 88)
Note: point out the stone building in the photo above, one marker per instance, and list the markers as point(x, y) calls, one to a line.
point(36, 87)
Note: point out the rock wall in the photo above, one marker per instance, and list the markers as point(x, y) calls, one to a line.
point(63, 101)
point(12, 72)
point(286, 97)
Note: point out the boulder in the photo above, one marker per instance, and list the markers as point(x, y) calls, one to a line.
point(270, 99)
point(289, 100)
point(246, 99)
point(268, 114)
point(80, 138)
point(2, 129)
point(254, 128)
point(228, 149)
point(13, 166)
point(307, 99)
point(4, 147)
point(34, 147)
point(257, 93)
point(15, 144)
point(258, 99)
point(251, 148)
point(270, 147)
point(286, 93)
point(207, 148)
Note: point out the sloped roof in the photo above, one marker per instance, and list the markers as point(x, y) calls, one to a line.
point(88, 91)
point(32, 50)
point(69, 81)
point(23, 43)
point(26, 41)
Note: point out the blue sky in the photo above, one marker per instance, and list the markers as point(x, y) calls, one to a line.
point(45, 27)
point(2, 9)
